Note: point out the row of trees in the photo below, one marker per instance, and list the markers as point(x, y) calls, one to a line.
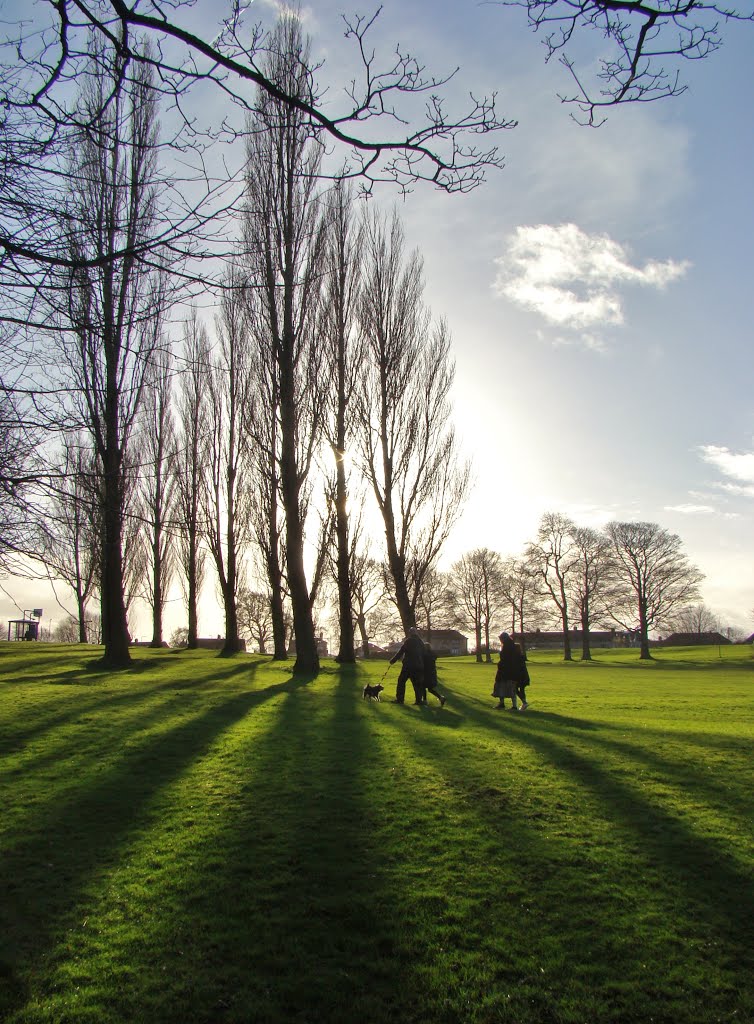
point(327, 359)
point(99, 244)
point(631, 574)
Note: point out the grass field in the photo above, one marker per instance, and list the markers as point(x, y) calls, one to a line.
point(214, 840)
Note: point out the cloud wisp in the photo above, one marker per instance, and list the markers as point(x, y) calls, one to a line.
point(737, 466)
point(573, 279)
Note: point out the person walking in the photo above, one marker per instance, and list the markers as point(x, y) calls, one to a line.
point(430, 675)
point(523, 682)
point(412, 653)
point(511, 673)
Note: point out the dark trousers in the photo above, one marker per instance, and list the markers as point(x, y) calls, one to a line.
point(521, 692)
point(416, 675)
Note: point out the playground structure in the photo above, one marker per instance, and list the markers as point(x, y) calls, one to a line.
point(26, 628)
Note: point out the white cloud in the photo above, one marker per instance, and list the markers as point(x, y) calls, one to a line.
point(738, 466)
point(595, 516)
point(572, 279)
point(691, 510)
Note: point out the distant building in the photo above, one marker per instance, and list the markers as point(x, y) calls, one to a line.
point(322, 648)
point(444, 642)
point(553, 639)
point(694, 640)
point(374, 651)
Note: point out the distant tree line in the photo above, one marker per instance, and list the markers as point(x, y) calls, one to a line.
point(633, 575)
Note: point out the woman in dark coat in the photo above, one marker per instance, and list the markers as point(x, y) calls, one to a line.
point(511, 676)
point(430, 675)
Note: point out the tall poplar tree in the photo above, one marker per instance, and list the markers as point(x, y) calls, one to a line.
point(284, 232)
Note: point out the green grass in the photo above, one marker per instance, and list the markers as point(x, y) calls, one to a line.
point(210, 840)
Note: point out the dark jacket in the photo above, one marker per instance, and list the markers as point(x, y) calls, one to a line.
point(512, 664)
point(412, 653)
point(430, 667)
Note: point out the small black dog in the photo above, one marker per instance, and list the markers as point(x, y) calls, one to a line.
point(372, 692)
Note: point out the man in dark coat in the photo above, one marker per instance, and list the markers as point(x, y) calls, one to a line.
point(412, 653)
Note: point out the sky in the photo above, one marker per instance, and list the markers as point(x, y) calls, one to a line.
point(598, 290)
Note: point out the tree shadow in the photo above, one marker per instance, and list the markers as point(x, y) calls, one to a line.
point(298, 849)
point(695, 885)
point(49, 868)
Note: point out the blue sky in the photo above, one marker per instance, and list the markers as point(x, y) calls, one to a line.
point(598, 290)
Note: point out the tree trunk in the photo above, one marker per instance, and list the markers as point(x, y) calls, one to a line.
point(586, 649)
point(193, 618)
point(232, 643)
point(114, 621)
point(346, 653)
point(81, 605)
point(279, 647)
point(307, 656)
point(157, 591)
point(361, 622)
point(398, 573)
point(567, 653)
point(644, 654)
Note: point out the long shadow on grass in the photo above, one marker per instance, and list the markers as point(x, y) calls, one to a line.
point(297, 923)
point(726, 786)
point(93, 699)
point(47, 872)
point(712, 884)
point(589, 929)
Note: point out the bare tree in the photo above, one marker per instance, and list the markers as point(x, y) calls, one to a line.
point(468, 593)
point(68, 631)
point(255, 617)
point(17, 473)
point(157, 484)
point(591, 579)
point(434, 604)
point(656, 574)
point(367, 594)
point(434, 146)
point(227, 485)
point(135, 541)
point(695, 618)
point(343, 365)
point(493, 593)
point(265, 507)
point(477, 585)
point(520, 589)
point(646, 44)
point(555, 560)
point(190, 465)
point(69, 546)
point(115, 299)
point(407, 444)
point(284, 232)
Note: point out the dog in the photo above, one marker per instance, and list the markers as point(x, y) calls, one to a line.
point(372, 692)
